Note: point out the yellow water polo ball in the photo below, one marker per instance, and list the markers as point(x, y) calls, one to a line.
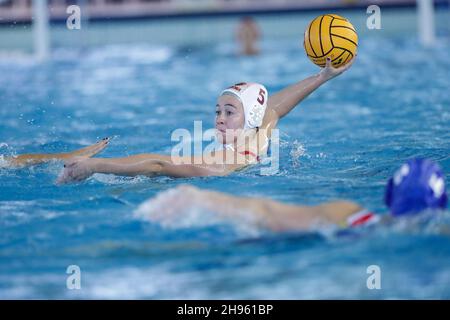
point(333, 36)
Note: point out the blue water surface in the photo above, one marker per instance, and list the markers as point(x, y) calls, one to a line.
point(343, 142)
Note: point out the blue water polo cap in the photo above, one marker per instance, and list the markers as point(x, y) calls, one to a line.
point(418, 185)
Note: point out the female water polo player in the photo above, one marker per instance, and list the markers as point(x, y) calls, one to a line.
point(417, 186)
point(245, 116)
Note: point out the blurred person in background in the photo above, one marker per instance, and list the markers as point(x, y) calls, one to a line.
point(248, 34)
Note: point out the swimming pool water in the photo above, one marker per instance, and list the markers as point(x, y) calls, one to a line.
point(344, 141)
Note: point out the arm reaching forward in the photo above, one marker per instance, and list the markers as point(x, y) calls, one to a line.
point(34, 159)
point(151, 165)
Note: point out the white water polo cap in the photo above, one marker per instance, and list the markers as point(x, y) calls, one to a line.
point(253, 97)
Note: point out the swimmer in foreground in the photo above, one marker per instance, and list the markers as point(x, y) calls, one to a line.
point(245, 117)
point(36, 159)
point(417, 186)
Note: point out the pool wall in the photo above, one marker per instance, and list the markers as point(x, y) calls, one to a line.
point(207, 30)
